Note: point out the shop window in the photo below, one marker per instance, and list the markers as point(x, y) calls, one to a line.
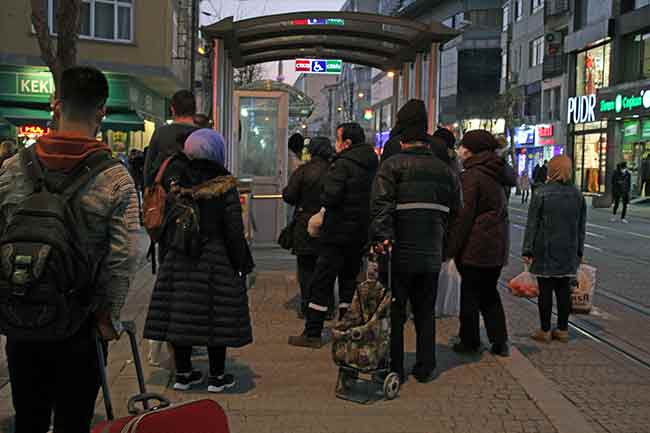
point(108, 20)
point(519, 9)
point(590, 161)
point(636, 57)
point(537, 5)
point(592, 70)
point(537, 52)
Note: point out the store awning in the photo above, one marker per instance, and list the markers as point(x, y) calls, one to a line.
point(25, 116)
point(123, 122)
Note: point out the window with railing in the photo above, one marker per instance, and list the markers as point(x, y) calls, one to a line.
point(506, 17)
point(519, 9)
point(105, 20)
point(537, 52)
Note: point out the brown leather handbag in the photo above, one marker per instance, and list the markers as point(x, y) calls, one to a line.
point(154, 205)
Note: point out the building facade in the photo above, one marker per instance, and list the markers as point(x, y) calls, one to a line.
point(587, 96)
point(320, 122)
point(142, 45)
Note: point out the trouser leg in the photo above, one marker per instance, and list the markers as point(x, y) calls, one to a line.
point(306, 267)
point(183, 358)
point(328, 266)
point(563, 298)
point(348, 276)
point(33, 384)
point(617, 201)
point(469, 306)
point(492, 308)
point(78, 382)
point(545, 302)
point(626, 200)
point(217, 358)
point(398, 318)
point(422, 294)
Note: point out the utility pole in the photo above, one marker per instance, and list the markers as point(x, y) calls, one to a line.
point(193, 33)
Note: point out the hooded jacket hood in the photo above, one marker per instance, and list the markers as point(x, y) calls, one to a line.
point(62, 152)
point(494, 166)
point(362, 154)
point(412, 114)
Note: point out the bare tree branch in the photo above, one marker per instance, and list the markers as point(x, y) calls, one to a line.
point(42, 29)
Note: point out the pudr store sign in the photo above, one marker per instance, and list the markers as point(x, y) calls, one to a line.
point(608, 104)
point(582, 109)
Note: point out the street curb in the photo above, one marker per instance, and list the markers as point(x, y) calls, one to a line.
point(565, 417)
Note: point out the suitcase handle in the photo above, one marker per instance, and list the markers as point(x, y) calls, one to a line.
point(145, 398)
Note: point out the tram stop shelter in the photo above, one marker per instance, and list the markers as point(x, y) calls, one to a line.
point(254, 123)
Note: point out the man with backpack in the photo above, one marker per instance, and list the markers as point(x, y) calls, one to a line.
point(169, 139)
point(621, 187)
point(68, 218)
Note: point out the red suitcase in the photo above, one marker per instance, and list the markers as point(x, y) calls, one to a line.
point(200, 416)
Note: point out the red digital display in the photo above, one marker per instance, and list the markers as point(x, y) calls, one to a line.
point(33, 130)
point(545, 131)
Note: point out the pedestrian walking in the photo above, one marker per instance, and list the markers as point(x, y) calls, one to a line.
point(621, 187)
point(413, 114)
point(55, 367)
point(540, 173)
point(413, 196)
point(344, 234)
point(200, 298)
point(478, 242)
point(524, 186)
point(554, 245)
point(169, 139)
point(303, 192)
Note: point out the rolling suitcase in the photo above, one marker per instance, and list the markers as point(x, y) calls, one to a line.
point(205, 416)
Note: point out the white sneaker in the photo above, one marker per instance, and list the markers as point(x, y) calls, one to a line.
point(613, 219)
point(624, 221)
point(184, 381)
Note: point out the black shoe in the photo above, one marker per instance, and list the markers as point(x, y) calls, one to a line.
point(424, 375)
point(221, 383)
point(465, 349)
point(303, 340)
point(184, 381)
point(500, 349)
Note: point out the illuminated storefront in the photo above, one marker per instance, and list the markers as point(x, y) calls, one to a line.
point(588, 138)
point(535, 144)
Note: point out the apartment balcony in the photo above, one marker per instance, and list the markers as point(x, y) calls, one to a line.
point(556, 7)
point(554, 66)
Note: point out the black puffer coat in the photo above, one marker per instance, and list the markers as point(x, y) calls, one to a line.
point(346, 196)
point(413, 196)
point(203, 301)
point(303, 192)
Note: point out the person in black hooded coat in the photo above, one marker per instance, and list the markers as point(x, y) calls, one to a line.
point(303, 192)
point(344, 233)
point(203, 301)
point(413, 114)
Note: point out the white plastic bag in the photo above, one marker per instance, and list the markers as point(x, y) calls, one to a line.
point(315, 223)
point(448, 300)
point(582, 295)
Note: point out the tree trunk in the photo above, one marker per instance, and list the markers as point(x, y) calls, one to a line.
point(67, 19)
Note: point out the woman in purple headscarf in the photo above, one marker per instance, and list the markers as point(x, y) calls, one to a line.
point(200, 297)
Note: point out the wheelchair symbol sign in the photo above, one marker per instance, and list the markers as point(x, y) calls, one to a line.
point(318, 66)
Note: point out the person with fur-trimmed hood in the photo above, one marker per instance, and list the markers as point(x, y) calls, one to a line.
point(202, 300)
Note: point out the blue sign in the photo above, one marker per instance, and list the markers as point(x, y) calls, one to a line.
point(319, 66)
point(316, 21)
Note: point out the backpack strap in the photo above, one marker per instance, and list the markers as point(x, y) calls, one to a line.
point(32, 167)
point(161, 170)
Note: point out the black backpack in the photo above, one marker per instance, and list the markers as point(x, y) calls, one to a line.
point(46, 274)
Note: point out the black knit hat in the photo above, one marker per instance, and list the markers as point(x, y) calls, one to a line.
point(447, 136)
point(414, 133)
point(479, 140)
point(296, 143)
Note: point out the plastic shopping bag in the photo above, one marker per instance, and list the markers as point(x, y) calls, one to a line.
point(582, 294)
point(524, 285)
point(448, 300)
point(315, 223)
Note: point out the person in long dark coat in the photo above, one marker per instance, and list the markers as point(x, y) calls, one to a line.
point(303, 192)
point(202, 301)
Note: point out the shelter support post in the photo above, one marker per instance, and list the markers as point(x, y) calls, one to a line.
point(433, 87)
point(418, 76)
point(395, 103)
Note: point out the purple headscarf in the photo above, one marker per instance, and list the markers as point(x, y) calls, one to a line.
point(206, 144)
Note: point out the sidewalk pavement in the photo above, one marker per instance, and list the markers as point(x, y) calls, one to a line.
point(287, 389)
point(636, 211)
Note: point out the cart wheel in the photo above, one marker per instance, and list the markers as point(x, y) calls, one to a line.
point(391, 386)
